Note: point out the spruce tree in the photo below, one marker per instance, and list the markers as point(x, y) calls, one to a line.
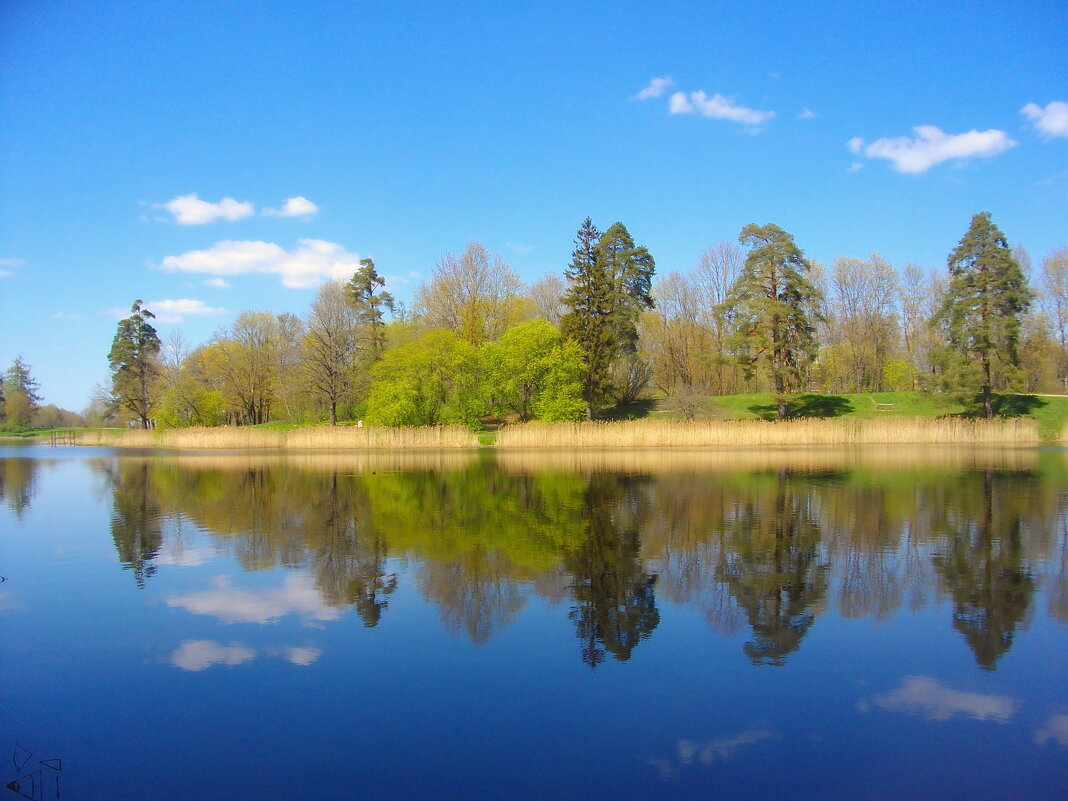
point(134, 365)
point(588, 318)
point(366, 296)
point(630, 269)
point(987, 295)
point(774, 307)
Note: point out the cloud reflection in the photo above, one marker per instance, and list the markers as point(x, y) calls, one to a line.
point(196, 655)
point(721, 749)
point(297, 595)
point(932, 700)
point(1056, 729)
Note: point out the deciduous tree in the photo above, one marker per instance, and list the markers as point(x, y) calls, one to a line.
point(330, 345)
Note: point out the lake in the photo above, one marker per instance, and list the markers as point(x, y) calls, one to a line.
point(838, 624)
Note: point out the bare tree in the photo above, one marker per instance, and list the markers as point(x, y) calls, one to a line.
point(330, 346)
point(547, 294)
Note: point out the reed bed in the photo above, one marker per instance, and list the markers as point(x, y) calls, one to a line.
point(733, 460)
point(760, 433)
point(317, 438)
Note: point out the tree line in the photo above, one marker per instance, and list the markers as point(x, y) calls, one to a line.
point(752, 316)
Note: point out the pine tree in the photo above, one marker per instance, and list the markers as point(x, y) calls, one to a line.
point(987, 295)
point(134, 366)
point(588, 318)
point(364, 296)
point(774, 306)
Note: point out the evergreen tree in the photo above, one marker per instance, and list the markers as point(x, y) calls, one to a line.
point(987, 295)
point(369, 302)
point(134, 365)
point(775, 304)
point(588, 317)
point(630, 269)
point(19, 378)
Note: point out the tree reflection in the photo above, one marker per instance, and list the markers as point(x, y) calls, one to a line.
point(774, 567)
point(18, 482)
point(614, 602)
point(136, 519)
point(983, 563)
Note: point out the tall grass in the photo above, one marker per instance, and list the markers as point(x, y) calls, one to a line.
point(756, 433)
point(315, 438)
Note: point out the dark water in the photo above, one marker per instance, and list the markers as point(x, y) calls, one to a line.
point(827, 625)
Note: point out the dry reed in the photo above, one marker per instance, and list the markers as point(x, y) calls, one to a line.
point(759, 433)
point(317, 438)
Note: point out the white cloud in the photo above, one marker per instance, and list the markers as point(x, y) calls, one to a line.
point(294, 207)
point(175, 311)
point(716, 107)
point(1056, 729)
point(519, 247)
point(297, 595)
point(198, 655)
point(656, 87)
point(807, 114)
point(1051, 120)
point(191, 210)
point(12, 262)
point(721, 749)
point(66, 316)
point(306, 266)
point(931, 146)
point(6, 273)
point(932, 700)
point(856, 165)
point(218, 282)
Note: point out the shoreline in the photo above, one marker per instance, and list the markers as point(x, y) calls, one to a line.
point(623, 435)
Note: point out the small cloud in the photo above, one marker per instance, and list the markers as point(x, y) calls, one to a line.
point(1056, 729)
point(932, 700)
point(716, 107)
point(197, 655)
point(807, 114)
point(311, 262)
point(1051, 121)
point(67, 316)
point(191, 210)
point(12, 262)
point(294, 207)
point(931, 146)
point(218, 283)
point(174, 554)
point(519, 247)
point(175, 311)
point(721, 749)
point(856, 165)
point(6, 273)
point(656, 87)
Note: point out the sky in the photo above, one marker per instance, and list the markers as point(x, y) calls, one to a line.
point(211, 158)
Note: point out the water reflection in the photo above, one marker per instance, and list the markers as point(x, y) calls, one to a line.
point(764, 542)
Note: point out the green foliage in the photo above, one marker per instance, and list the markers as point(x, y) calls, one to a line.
point(898, 375)
point(192, 405)
point(532, 373)
point(774, 305)
point(133, 362)
point(435, 379)
point(19, 379)
point(987, 295)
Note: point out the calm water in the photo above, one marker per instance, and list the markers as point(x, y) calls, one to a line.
point(827, 625)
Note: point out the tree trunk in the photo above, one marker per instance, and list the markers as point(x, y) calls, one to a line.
point(988, 406)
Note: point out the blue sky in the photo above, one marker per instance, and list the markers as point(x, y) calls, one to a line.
point(213, 158)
